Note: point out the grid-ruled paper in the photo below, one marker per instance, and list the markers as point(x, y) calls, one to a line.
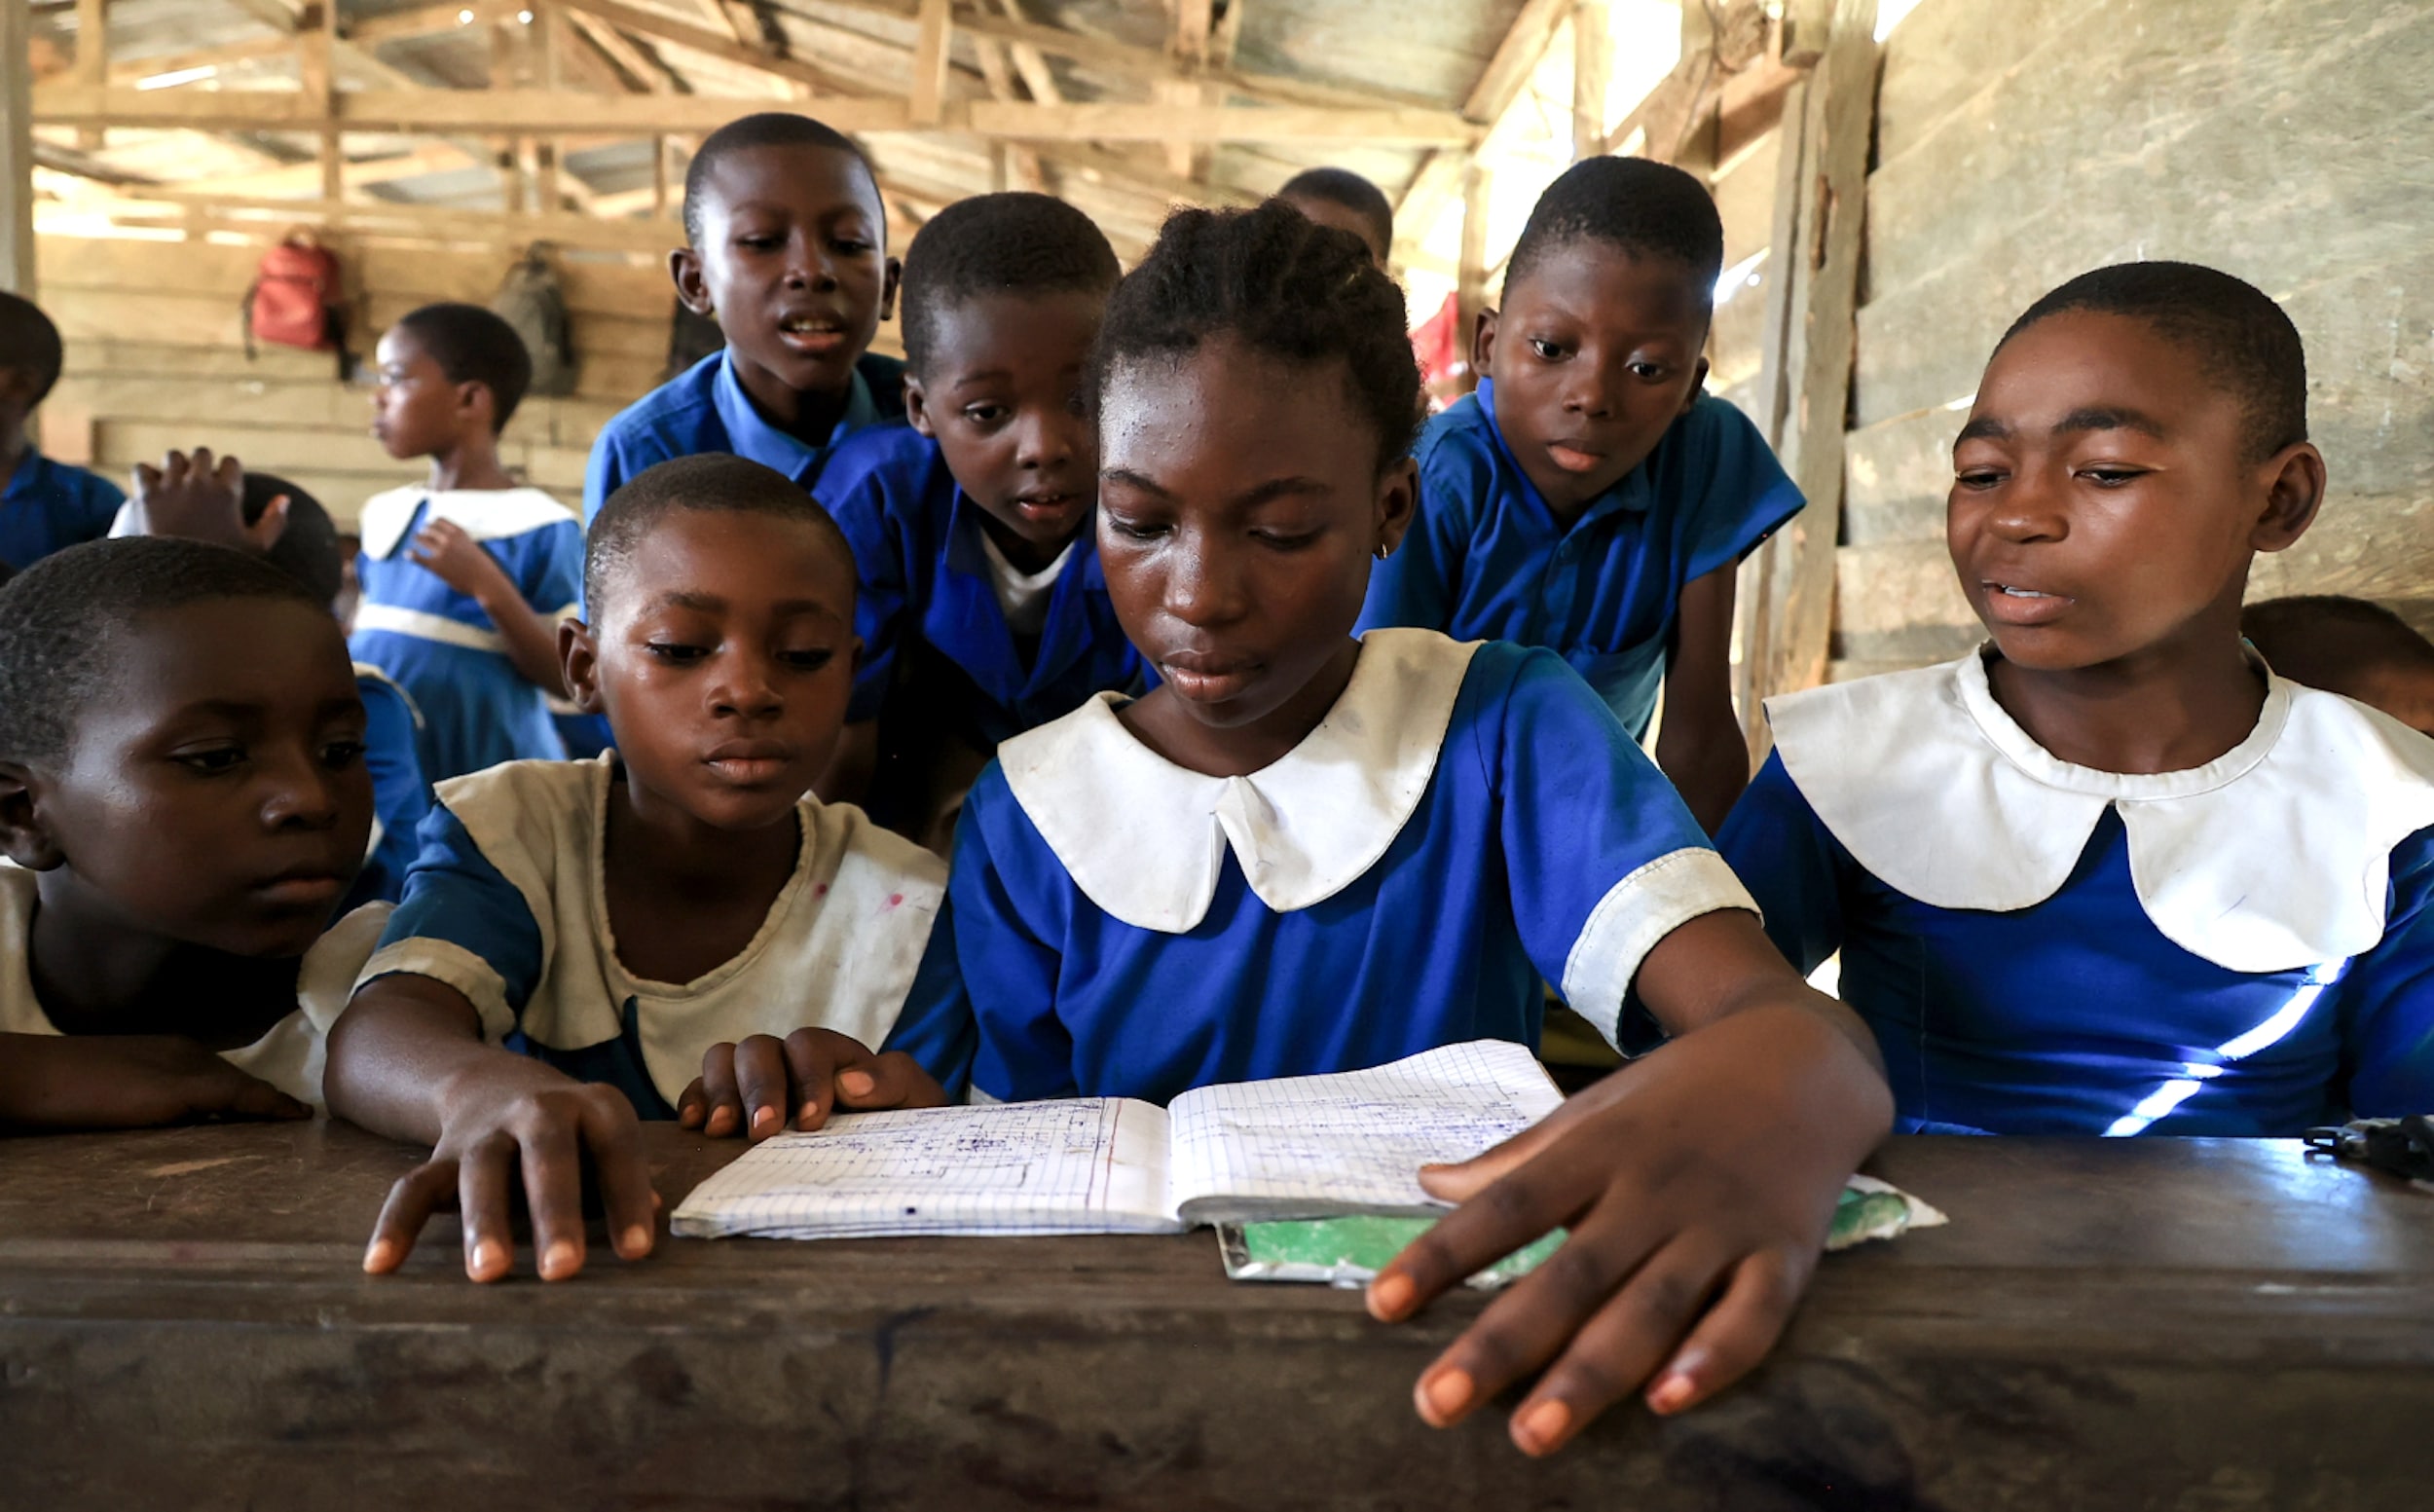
point(1080, 1166)
point(1314, 1145)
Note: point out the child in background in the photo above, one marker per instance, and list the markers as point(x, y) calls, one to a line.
point(1589, 497)
point(625, 922)
point(982, 611)
point(182, 783)
point(464, 578)
point(44, 505)
point(1304, 853)
point(2349, 647)
point(2109, 874)
point(216, 500)
point(787, 248)
point(1342, 199)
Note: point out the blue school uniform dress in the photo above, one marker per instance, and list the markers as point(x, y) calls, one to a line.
point(704, 409)
point(508, 903)
point(48, 506)
point(2243, 948)
point(438, 645)
point(1487, 559)
point(402, 795)
point(1467, 819)
point(973, 649)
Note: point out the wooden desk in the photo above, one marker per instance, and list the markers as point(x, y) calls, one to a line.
point(2148, 1323)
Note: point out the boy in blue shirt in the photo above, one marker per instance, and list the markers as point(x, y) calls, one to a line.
point(1589, 497)
point(983, 609)
point(464, 578)
point(2109, 874)
point(44, 504)
point(787, 248)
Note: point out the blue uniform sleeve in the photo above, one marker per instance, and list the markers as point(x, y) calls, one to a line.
point(2388, 996)
point(1736, 490)
point(607, 471)
point(466, 925)
point(549, 567)
point(1603, 860)
point(1790, 863)
point(936, 1028)
point(856, 497)
point(1422, 581)
point(1024, 1050)
point(401, 797)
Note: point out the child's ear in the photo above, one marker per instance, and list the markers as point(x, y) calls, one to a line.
point(1483, 344)
point(578, 656)
point(684, 267)
point(1698, 387)
point(24, 835)
point(1397, 504)
point(887, 287)
point(477, 404)
point(2294, 490)
point(916, 407)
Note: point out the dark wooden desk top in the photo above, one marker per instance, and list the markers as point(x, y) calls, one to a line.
point(2156, 1323)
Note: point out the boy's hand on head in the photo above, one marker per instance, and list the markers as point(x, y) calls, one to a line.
point(1698, 1184)
point(199, 498)
point(749, 1088)
point(509, 1124)
point(459, 559)
point(129, 1082)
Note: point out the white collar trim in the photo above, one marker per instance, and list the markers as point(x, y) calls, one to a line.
point(485, 514)
point(2273, 857)
point(1145, 839)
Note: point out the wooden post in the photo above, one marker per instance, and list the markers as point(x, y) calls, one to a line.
point(316, 30)
point(659, 178)
point(93, 60)
point(931, 52)
point(1470, 290)
point(1592, 50)
point(1188, 46)
point(16, 150)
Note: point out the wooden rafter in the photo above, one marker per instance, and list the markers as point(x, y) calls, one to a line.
point(1439, 180)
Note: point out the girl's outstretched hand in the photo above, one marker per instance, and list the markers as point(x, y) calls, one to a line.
point(748, 1089)
point(1698, 1184)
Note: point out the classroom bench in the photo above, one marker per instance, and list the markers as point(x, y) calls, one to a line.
point(2132, 1323)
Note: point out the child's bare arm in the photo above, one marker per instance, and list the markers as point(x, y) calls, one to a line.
point(407, 1059)
point(1699, 745)
point(461, 564)
point(746, 1088)
point(56, 1081)
point(1698, 1183)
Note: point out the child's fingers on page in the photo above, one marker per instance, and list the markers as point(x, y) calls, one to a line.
point(1736, 1333)
point(483, 1178)
point(1496, 1221)
point(551, 1162)
point(812, 1057)
point(896, 1081)
point(760, 1077)
point(1462, 1180)
point(411, 1200)
point(723, 1108)
point(693, 1109)
point(1625, 1334)
point(614, 1137)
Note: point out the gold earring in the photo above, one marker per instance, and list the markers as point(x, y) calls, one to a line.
point(1382, 551)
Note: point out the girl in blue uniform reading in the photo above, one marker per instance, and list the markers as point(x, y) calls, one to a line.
point(1589, 497)
point(672, 929)
point(982, 611)
point(465, 577)
point(2109, 874)
point(1308, 853)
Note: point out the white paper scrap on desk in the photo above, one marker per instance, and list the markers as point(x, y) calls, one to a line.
point(1297, 1147)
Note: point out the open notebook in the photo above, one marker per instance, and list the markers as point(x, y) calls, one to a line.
point(1300, 1147)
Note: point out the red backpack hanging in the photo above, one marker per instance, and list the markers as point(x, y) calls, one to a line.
point(294, 298)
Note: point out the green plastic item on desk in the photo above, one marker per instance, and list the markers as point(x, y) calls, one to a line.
point(1349, 1251)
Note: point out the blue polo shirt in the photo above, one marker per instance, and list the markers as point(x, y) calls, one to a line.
point(49, 507)
point(704, 409)
point(1486, 559)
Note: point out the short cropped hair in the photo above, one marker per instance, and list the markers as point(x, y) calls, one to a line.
point(474, 346)
point(2243, 341)
point(2328, 642)
point(29, 343)
point(63, 619)
point(308, 550)
point(1343, 187)
point(767, 129)
point(1017, 244)
point(1284, 286)
point(1646, 209)
point(709, 482)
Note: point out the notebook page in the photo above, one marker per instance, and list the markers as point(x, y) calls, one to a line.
point(1354, 1142)
point(1077, 1165)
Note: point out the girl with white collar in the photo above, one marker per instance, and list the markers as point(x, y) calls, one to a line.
point(1304, 853)
point(2109, 874)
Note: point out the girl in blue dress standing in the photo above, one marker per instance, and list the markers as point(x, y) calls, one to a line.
point(1308, 853)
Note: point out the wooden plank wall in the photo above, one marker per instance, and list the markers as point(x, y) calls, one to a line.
point(155, 359)
point(2288, 141)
